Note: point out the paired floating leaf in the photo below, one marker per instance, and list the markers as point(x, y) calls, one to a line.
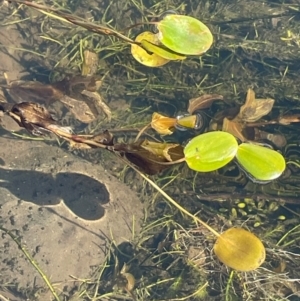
point(240, 249)
point(184, 34)
point(260, 162)
point(210, 151)
point(142, 56)
point(162, 124)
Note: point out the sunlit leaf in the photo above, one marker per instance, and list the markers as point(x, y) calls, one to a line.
point(162, 124)
point(142, 56)
point(262, 163)
point(240, 249)
point(184, 34)
point(210, 151)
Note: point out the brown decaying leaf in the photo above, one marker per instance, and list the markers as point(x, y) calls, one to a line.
point(234, 128)
point(98, 102)
point(79, 109)
point(162, 124)
point(62, 91)
point(33, 91)
point(149, 156)
point(288, 119)
point(251, 111)
point(202, 102)
point(35, 118)
point(277, 139)
point(254, 108)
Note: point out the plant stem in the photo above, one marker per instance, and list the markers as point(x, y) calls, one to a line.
point(173, 202)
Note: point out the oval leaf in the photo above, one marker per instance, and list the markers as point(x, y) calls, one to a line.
point(210, 151)
point(142, 56)
point(184, 34)
point(262, 163)
point(240, 249)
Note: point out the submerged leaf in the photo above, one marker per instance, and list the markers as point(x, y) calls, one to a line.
point(41, 93)
point(262, 163)
point(202, 102)
point(254, 108)
point(288, 119)
point(233, 127)
point(210, 151)
point(80, 109)
point(35, 119)
point(150, 156)
point(90, 63)
point(240, 249)
point(165, 151)
point(184, 34)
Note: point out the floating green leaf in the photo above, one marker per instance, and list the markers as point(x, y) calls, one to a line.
point(210, 151)
point(262, 163)
point(184, 34)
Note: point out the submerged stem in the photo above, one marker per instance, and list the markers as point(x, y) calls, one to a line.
point(173, 202)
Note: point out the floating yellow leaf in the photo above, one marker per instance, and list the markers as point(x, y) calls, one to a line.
point(162, 124)
point(240, 249)
point(142, 56)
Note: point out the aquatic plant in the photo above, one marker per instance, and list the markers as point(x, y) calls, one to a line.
point(213, 150)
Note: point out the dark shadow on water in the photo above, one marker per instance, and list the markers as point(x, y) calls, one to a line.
point(82, 194)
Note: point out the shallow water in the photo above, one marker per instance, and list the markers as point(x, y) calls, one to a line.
point(256, 45)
